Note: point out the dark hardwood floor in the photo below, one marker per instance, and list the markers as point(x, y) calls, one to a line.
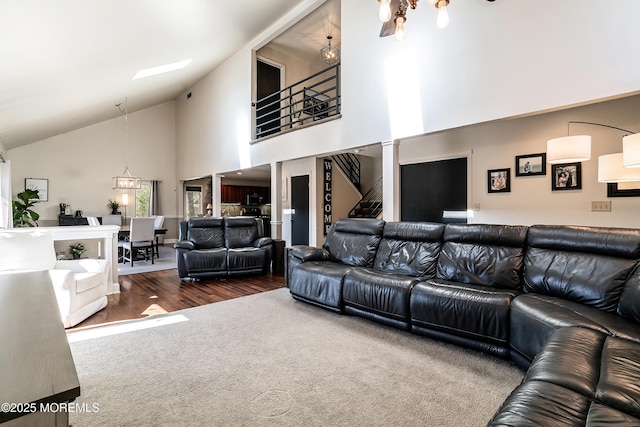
point(146, 294)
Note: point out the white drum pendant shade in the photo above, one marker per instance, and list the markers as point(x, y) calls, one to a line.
point(611, 169)
point(569, 149)
point(631, 150)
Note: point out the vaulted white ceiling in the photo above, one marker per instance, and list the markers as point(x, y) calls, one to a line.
point(64, 64)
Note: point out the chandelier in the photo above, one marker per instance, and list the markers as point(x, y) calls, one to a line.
point(329, 53)
point(126, 181)
point(397, 9)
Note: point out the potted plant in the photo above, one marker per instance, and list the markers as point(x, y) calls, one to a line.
point(77, 249)
point(23, 215)
point(113, 205)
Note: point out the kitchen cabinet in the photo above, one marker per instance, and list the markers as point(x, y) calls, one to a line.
point(238, 193)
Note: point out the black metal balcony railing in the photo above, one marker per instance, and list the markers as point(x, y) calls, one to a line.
point(314, 98)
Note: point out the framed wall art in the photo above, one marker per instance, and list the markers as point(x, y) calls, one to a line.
point(623, 189)
point(531, 164)
point(567, 176)
point(40, 184)
point(498, 180)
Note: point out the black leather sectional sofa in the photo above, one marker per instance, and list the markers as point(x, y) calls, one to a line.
point(562, 301)
point(215, 247)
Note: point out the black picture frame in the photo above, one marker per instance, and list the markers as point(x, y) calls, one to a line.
point(566, 176)
point(531, 164)
point(40, 184)
point(614, 191)
point(499, 180)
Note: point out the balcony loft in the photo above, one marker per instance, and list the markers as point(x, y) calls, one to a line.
point(309, 102)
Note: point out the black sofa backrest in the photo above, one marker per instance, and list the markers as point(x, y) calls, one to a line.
point(588, 265)
point(240, 232)
point(629, 306)
point(354, 241)
point(483, 254)
point(205, 233)
point(410, 248)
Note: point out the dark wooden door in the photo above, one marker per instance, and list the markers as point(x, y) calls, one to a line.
point(429, 189)
point(268, 106)
point(300, 209)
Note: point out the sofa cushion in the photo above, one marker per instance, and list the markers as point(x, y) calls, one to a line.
point(588, 265)
point(535, 317)
point(483, 254)
point(206, 260)
point(629, 306)
point(354, 241)
point(378, 295)
point(578, 366)
point(475, 312)
point(537, 403)
point(27, 250)
point(319, 282)
point(206, 233)
point(409, 248)
point(246, 260)
point(240, 232)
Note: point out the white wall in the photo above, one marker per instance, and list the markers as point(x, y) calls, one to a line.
point(531, 200)
point(494, 61)
point(80, 164)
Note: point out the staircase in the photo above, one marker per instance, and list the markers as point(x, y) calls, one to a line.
point(370, 205)
point(350, 166)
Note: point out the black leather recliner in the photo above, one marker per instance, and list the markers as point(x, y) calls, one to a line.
point(320, 272)
point(215, 247)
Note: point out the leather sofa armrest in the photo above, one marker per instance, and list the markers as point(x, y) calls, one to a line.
point(308, 253)
point(262, 242)
point(184, 244)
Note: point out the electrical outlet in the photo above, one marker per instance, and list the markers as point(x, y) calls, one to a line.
point(601, 206)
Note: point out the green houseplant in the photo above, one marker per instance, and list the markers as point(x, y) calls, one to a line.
point(23, 215)
point(76, 250)
point(113, 205)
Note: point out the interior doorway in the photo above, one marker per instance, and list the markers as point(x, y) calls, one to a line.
point(434, 191)
point(268, 86)
point(300, 210)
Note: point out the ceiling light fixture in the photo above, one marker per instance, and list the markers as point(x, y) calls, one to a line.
point(330, 53)
point(126, 181)
point(153, 71)
point(618, 167)
point(393, 14)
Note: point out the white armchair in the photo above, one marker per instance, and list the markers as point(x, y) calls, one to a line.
point(80, 285)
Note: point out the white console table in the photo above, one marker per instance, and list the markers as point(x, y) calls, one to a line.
point(107, 236)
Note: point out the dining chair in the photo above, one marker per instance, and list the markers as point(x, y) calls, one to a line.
point(141, 237)
point(158, 222)
point(93, 221)
point(112, 220)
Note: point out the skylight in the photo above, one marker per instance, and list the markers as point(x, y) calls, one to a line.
point(148, 72)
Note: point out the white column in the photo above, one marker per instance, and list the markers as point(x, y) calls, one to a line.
point(391, 180)
point(276, 200)
point(217, 197)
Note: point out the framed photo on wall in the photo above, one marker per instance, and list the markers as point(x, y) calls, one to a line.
point(567, 176)
point(531, 164)
point(499, 181)
point(623, 189)
point(40, 184)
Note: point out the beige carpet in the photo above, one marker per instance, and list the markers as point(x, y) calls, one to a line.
point(267, 360)
point(166, 261)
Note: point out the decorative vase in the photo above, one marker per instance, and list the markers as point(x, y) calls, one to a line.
point(76, 256)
